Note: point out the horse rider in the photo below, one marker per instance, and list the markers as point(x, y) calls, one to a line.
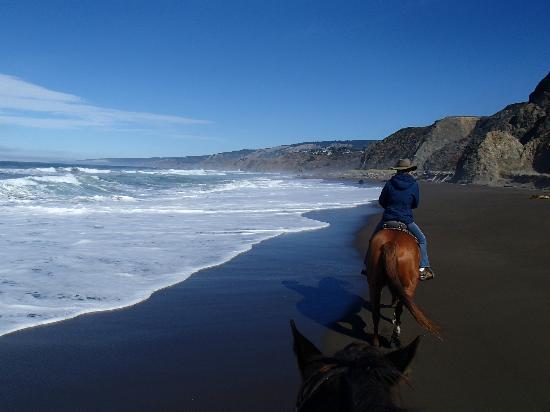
point(399, 196)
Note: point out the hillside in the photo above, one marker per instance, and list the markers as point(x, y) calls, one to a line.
point(302, 158)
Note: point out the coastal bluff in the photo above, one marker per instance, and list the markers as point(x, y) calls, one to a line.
point(436, 147)
point(513, 145)
point(510, 147)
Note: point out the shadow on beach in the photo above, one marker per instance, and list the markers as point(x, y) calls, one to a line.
point(333, 306)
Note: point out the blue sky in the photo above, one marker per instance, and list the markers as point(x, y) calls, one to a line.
point(171, 78)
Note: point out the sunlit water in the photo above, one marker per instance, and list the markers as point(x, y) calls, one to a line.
point(76, 240)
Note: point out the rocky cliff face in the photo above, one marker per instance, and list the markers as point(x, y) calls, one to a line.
point(434, 147)
point(512, 145)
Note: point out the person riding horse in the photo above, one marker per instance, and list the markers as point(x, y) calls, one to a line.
point(399, 196)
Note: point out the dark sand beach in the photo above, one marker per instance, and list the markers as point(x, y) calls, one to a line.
point(489, 247)
point(219, 341)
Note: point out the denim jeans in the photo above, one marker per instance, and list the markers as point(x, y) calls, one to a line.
point(415, 230)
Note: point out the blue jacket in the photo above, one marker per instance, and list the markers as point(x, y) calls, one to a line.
point(399, 196)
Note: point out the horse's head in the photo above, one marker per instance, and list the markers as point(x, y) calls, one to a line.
point(357, 378)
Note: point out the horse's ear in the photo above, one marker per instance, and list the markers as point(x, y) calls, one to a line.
point(305, 351)
point(401, 358)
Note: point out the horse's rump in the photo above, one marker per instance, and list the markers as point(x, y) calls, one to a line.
point(393, 259)
point(390, 261)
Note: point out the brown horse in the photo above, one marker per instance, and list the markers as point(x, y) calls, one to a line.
point(392, 260)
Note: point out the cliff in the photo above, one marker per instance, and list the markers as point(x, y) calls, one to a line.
point(510, 147)
point(434, 147)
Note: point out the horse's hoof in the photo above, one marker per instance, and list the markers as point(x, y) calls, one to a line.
point(395, 342)
point(375, 342)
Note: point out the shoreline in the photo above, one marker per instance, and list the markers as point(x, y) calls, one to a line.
point(161, 288)
point(211, 341)
point(180, 276)
point(488, 247)
point(204, 344)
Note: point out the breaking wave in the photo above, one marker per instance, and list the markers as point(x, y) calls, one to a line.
point(80, 239)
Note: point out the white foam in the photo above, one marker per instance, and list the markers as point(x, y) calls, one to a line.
point(17, 182)
point(122, 198)
point(68, 178)
point(180, 172)
point(100, 244)
point(28, 171)
point(85, 170)
point(45, 169)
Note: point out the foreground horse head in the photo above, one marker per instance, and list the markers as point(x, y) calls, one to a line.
point(392, 260)
point(358, 378)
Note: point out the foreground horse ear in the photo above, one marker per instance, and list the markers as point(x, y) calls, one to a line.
point(306, 352)
point(401, 358)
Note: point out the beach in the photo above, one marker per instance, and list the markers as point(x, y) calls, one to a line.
point(489, 249)
point(220, 340)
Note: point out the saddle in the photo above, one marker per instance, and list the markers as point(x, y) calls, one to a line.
point(396, 225)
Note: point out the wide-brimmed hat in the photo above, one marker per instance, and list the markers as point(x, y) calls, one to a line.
point(404, 165)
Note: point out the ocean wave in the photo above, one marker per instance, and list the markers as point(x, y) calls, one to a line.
point(45, 169)
point(79, 242)
point(28, 171)
point(17, 182)
point(102, 198)
point(179, 172)
point(85, 170)
point(68, 179)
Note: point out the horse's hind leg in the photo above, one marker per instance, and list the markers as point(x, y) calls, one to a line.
point(396, 334)
point(375, 304)
point(393, 299)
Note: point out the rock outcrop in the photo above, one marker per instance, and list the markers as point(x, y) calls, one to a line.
point(511, 146)
point(431, 148)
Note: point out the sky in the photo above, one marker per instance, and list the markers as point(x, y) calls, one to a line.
point(87, 79)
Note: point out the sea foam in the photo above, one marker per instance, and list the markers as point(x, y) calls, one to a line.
point(75, 241)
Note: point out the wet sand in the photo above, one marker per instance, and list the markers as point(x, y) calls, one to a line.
point(490, 250)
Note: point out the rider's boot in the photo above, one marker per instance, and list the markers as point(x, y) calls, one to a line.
point(426, 273)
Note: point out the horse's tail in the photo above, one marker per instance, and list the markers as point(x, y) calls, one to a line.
point(389, 256)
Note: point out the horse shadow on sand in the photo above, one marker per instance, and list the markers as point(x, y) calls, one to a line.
point(333, 306)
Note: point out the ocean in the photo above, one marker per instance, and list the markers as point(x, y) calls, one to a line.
point(76, 239)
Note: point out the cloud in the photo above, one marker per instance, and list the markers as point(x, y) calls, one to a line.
point(30, 105)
